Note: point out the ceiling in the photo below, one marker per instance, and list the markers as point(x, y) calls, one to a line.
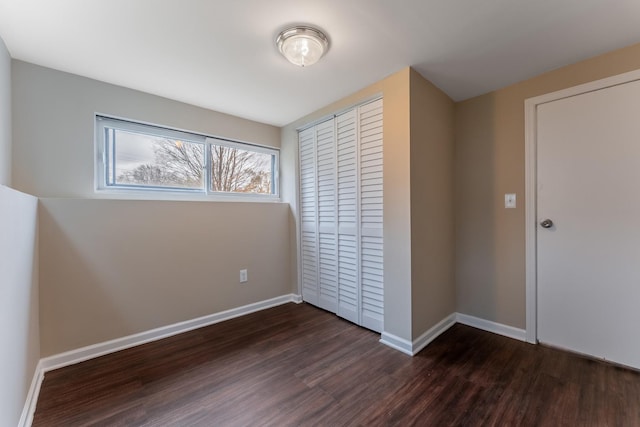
point(221, 54)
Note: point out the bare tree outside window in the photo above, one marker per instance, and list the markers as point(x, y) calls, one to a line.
point(175, 163)
point(240, 171)
point(163, 162)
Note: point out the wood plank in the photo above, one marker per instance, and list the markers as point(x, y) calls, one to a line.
point(298, 365)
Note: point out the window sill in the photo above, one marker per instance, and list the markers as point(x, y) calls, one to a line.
point(186, 197)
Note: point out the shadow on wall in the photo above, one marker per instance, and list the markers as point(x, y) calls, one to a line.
point(75, 306)
point(112, 268)
point(476, 202)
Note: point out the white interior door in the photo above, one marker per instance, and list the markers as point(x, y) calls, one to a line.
point(588, 261)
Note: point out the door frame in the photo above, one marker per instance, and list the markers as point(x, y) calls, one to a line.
point(530, 142)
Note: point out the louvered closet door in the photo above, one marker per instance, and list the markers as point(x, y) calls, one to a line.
point(327, 236)
point(308, 213)
point(371, 241)
point(341, 215)
point(348, 253)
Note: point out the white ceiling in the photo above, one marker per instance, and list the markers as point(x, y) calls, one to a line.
point(221, 54)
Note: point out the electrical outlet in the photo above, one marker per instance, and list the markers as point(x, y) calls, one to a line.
point(510, 201)
point(243, 276)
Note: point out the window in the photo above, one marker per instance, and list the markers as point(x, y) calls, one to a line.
point(135, 156)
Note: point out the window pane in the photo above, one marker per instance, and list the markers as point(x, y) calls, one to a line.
point(241, 171)
point(145, 160)
point(137, 156)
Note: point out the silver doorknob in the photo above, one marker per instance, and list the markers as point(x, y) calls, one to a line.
point(547, 223)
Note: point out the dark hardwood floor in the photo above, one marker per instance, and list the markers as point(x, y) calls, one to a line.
point(297, 365)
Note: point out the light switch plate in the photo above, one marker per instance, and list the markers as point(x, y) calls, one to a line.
point(510, 200)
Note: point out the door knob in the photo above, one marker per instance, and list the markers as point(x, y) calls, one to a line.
point(547, 223)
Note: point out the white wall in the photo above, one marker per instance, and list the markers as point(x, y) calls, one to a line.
point(19, 324)
point(5, 115)
point(19, 331)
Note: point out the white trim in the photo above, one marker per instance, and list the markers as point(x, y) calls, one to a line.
point(413, 348)
point(85, 353)
point(531, 106)
point(425, 339)
point(103, 122)
point(322, 119)
point(100, 349)
point(586, 87)
point(357, 124)
point(26, 418)
point(397, 343)
point(296, 214)
point(530, 221)
point(493, 327)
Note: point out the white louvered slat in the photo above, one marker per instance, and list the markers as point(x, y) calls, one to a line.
point(307, 177)
point(328, 269)
point(348, 266)
point(372, 283)
point(326, 175)
point(327, 249)
point(347, 169)
point(341, 215)
point(309, 267)
point(371, 215)
point(371, 168)
point(308, 212)
point(348, 278)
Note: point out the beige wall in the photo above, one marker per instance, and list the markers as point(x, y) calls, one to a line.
point(5, 115)
point(397, 218)
point(489, 159)
point(111, 268)
point(19, 330)
point(53, 127)
point(84, 302)
point(432, 229)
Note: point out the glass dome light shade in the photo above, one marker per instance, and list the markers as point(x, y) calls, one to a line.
point(302, 46)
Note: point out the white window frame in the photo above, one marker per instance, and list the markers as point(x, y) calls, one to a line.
point(103, 121)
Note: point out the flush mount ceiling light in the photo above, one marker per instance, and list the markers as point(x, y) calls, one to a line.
point(302, 45)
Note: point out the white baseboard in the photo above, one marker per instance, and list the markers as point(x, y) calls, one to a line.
point(26, 418)
point(397, 343)
point(100, 349)
point(85, 353)
point(489, 326)
point(413, 348)
point(423, 340)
